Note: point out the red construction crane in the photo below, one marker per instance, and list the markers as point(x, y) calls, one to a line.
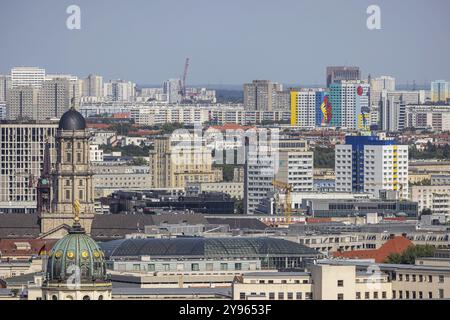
point(183, 84)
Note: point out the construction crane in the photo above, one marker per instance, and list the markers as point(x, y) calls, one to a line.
point(285, 187)
point(183, 80)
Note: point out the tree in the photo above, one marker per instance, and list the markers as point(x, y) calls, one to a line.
point(426, 212)
point(139, 161)
point(323, 157)
point(410, 255)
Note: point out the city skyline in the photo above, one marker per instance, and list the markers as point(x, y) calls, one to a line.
point(246, 49)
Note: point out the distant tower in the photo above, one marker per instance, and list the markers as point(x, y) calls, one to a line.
point(71, 179)
point(44, 186)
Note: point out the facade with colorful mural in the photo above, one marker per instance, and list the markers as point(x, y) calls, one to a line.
point(350, 105)
point(307, 111)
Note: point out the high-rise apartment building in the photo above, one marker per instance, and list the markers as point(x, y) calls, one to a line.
point(296, 165)
point(93, 86)
point(369, 164)
point(377, 85)
point(5, 85)
point(336, 74)
point(350, 104)
point(260, 95)
point(391, 112)
point(178, 159)
point(120, 90)
point(283, 160)
point(306, 112)
point(172, 88)
point(440, 91)
point(22, 158)
point(22, 103)
point(55, 97)
point(27, 76)
point(50, 100)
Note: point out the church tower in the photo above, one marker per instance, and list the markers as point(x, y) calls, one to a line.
point(71, 179)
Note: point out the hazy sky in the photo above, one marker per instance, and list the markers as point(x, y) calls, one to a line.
point(228, 41)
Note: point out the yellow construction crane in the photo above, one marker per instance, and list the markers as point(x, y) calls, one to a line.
point(285, 187)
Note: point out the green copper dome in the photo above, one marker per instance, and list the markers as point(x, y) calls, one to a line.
point(76, 249)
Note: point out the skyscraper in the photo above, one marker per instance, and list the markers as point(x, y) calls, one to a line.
point(55, 98)
point(350, 102)
point(27, 76)
point(336, 74)
point(369, 164)
point(440, 91)
point(260, 95)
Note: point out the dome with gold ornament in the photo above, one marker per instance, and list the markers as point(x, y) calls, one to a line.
point(76, 253)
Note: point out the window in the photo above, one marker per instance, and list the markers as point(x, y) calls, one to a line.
point(298, 296)
point(441, 293)
point(166, 267)
point(223, 267)
point(340, 283)
point(242, 296)
point(358, 295)
point(151, 267)
point(290, 296)
point(68, 157)
point(375, 295)
point(280, 295)
point(136, 267)
point(308, 295)
point(67, 194)
point(86, 298)
point(430, 295)
point(80, 194)
point(78, 157)
point(441, 279)
point(367, 295)
point(195, 267)
point(430, 278)
point(271, 296)
point(238, 266)
point(383, 295)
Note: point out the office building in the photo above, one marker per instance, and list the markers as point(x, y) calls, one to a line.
point(368, 164)
point(178, 159)
point(350, 105)
point(22, 161)
point(260, 95)
point(336, 74)
point(27, 76)
point(440, 91)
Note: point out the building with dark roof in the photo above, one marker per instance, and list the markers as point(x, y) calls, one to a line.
point(273, 253)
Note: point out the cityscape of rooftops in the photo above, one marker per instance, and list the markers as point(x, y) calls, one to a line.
point(245, 152)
